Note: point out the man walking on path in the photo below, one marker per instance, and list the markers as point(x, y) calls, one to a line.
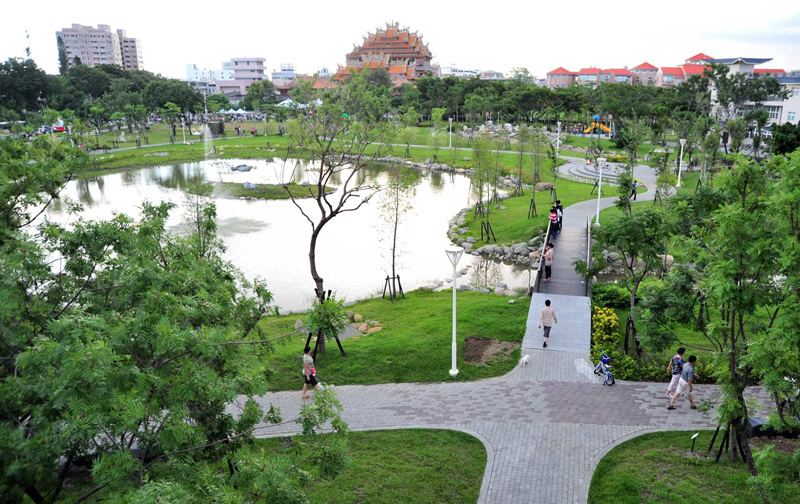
point(560, 213)
point(548, 317)
point(687, 377)
point(635, 187)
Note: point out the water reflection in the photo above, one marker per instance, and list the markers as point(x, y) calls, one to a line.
point(270, 238)
point(488, 273)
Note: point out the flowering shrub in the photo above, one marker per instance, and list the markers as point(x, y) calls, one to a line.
point(617, 158)
point(605, 328)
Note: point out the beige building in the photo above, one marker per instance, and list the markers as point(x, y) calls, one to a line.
point(131, 49)
point(98, 46)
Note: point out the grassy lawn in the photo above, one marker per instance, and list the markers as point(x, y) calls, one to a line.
point(160, 133)
point(512, 224)
point(415, 465)
point(414, 345)
point(652, 469)
point(386, 467)
point(688, 185)
point(265, 191)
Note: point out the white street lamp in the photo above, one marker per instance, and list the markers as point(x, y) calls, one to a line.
point(558, 136)
point(450, 119)
point(680, 161)
point(454, 254)
point(600, 163)
point(183, 128)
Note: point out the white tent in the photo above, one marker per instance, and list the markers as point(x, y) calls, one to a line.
point(240, 111)
point(230, 111)
point(288, 103)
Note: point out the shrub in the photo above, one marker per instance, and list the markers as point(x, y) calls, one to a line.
point(605, 328)
point(617, 158)
point(610, 295)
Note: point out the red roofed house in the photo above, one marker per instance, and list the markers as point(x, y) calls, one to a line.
point(617, 75)
point(698, 59)
point(692, 69)
point(669, 76)
point(775, 72)
point(560, 77)
point(645, 73)
point(588, 77)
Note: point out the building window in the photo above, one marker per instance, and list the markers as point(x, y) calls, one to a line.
point(792, 116)
point(796, 92)
point(668, 78)
point(774, 112)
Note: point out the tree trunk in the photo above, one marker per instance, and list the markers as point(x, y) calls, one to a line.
point(318, 281)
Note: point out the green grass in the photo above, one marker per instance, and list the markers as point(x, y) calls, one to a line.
point(652, 469)
point(388, 467)
point(414, 345)
point(512, 224)
point(160, 133)
point(265, 191)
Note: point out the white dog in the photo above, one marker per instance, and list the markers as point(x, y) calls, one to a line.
point(523, 361)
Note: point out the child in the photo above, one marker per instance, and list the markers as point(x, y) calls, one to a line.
point(675, 367)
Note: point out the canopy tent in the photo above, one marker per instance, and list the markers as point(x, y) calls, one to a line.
point(240, 111)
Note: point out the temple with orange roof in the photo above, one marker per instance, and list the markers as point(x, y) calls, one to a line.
point(397, 50)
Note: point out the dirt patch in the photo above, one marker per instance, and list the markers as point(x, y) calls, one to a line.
point(782, 444)
point(479, 351)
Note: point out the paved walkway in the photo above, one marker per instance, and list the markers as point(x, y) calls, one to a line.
point(545, 426)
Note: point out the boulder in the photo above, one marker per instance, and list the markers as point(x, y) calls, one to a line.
point(299, 324)
point(542, 186)
point(363, 327)
point(463, 230)
point(471, 239)
point(512, 301)
point(466, 159)
point(358, 317)
point(460, 242)
point(375, 329)
point(350, 315)
point(612, 256)
point(668, 259)
point(501, 287)
point(520, 249)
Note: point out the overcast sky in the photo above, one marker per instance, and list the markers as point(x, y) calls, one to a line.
point(497, 35)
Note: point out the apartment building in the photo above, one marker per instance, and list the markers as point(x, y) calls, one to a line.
point(99, 46)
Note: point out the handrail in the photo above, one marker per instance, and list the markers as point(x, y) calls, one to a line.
point(588, 250)
point(541, 258)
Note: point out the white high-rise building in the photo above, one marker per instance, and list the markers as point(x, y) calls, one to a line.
point(98, 46)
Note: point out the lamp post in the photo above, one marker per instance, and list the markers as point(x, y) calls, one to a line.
point(680, 161)
point(558, 136)
point(454, 254)
point(183, 129)
point(450, 119)
point(600, 163)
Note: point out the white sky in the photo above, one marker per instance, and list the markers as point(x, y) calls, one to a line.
point(498, 35)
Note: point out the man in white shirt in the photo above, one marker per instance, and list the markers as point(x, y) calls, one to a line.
point(547, 317)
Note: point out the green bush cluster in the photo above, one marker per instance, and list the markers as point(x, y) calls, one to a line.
point(610, 295)
point(617, 158)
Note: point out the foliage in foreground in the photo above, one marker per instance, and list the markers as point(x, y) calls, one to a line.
point(132, 356)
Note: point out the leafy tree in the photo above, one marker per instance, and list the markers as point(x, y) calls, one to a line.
point(217, 102)
point(63, 64)
point(23, 85)
point(738, 130)
point(171, 112)
point(135, 362)
point(379, 77)
point(395, 202)
point(97, 118)
point(407, 137)
point(324, 139)
point(91, 82)
point(158, 93)
point(437, 140)
point(785, 138)
point(260, 94)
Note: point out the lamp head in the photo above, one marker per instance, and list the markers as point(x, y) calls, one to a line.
point(683, 142)
point(454, 254)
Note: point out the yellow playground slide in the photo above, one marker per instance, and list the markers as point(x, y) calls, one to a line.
point(595, 125)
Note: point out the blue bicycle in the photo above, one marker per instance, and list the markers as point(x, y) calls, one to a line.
point(603, 368)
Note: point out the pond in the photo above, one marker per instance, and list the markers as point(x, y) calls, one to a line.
point(270, 238)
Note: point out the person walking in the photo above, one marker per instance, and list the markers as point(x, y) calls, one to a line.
point(309, 372)
point(633, 191)
point(553, 222)
point(548, 262)
point(547, 317)
point(685, 381)
point(675, 367)
point(560, 213)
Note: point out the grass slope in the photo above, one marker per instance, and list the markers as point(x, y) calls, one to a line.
point(651, 469)
point(414, 345)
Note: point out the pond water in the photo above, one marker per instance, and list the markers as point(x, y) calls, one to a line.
point(270, 238)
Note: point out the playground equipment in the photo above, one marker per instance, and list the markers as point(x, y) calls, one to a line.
point(597, 125)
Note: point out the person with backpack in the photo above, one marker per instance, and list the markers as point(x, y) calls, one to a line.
point(675, 367)
point(685, 382)
point(309, 372)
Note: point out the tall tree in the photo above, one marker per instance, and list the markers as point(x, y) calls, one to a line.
point(336, 138)
point(63, 64)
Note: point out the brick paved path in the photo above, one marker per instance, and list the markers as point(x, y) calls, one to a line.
point(545, 426)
